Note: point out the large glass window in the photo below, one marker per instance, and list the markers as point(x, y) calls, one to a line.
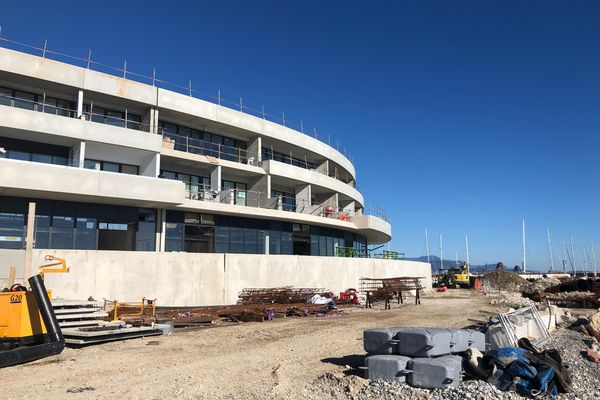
point(62, 233)
point(86, 233)
point(111, 167)
point(146, 231)
point(42, 232)
point(12, 230)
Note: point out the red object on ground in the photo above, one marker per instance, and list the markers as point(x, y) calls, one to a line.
point(442, 289)
point(349, 297)
point(593, 356)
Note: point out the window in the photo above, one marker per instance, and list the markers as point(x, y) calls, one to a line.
point(195, 186)
point(111, 167)
point(12, 230)
point(237, 192)
point(42, 232)
point(85, 233)
point(62, 233)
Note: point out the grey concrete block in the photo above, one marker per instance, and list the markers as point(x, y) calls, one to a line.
point(459, 340)
point(388, 367)
point(378, 341)
point(433, 373)
point(424, 342)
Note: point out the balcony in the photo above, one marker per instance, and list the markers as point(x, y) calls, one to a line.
point(301, 175)
point(32, 179)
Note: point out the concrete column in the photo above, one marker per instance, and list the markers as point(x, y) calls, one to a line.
point(267, 244)
point(215, 179)
point(150, 120)
point(151, 167)
point(80, 104)
point(348, 207)
point(259, 192)
point(254, 149)
point(323, 167)
point(331, 201)
point(161, 225)
point(78, 154)
point(303, 196)
point(29, 241)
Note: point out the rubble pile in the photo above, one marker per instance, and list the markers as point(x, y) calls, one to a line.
point(506, 281)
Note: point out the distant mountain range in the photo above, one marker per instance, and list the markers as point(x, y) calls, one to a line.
point(435, 264)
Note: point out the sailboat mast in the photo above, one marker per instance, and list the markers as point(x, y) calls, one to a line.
point(467, 249)
point(566, 257)
point(594, 257)
point(427, 246)
point(441, 253)
point(524, 255)
point(573, 264)
point(585, 256)
point(550, 250)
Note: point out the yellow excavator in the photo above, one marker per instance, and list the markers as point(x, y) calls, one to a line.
point(29, 329)
point(457, 277)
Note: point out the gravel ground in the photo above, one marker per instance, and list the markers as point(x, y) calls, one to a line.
point(585, 375)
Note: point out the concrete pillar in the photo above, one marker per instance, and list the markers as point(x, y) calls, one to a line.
point(348, 207)
point(254, 150)
point(303, 197)
point(161, 227)
point(80, 104)
point(78, 154)
point(259, 192)
point(151, 167)
point(331, 201)
point(323, 167)
point(29, 238)
point(215, 179)
point(267, 243)
point(150, 120)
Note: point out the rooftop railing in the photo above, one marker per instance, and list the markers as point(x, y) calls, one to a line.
point(89, 63)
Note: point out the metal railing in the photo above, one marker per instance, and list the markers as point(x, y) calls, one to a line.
point(251, 198)
point(48, 108)
point(123, 72)
point(350, 252)
point(199, 146)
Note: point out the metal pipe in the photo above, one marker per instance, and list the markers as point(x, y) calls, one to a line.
point(55, 342)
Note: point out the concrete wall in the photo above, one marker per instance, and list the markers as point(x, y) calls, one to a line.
point(200, 279)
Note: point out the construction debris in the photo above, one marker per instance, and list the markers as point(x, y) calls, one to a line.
point(278, 295)
point(206, 316)
point(83, 322)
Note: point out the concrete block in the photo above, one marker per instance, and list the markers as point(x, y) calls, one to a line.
point(433, 373)
point(424, 342)
point(388, 367)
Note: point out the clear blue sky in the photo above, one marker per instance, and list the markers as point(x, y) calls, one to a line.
point(462, 117)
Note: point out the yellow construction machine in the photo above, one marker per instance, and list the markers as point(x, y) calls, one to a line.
point(29, 329)
point(458, 276)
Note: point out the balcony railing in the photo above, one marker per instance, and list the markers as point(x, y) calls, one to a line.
point(89, 63)
point(47, 108)
point(251, 198)
point(203, 147)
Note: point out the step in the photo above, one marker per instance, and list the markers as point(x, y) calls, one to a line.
point(61, 311)
point(94, 315)
point(73, 324)
point(74, 303)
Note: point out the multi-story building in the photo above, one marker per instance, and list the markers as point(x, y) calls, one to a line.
point(124, 172)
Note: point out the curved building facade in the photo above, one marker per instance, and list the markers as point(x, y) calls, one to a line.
point(117, 165)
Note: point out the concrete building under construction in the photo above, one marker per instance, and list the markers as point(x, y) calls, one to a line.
point(151, 192)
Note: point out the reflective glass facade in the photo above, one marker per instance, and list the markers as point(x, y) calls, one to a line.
point(68, 225)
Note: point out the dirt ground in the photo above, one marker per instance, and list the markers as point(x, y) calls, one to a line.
point(293, 358)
